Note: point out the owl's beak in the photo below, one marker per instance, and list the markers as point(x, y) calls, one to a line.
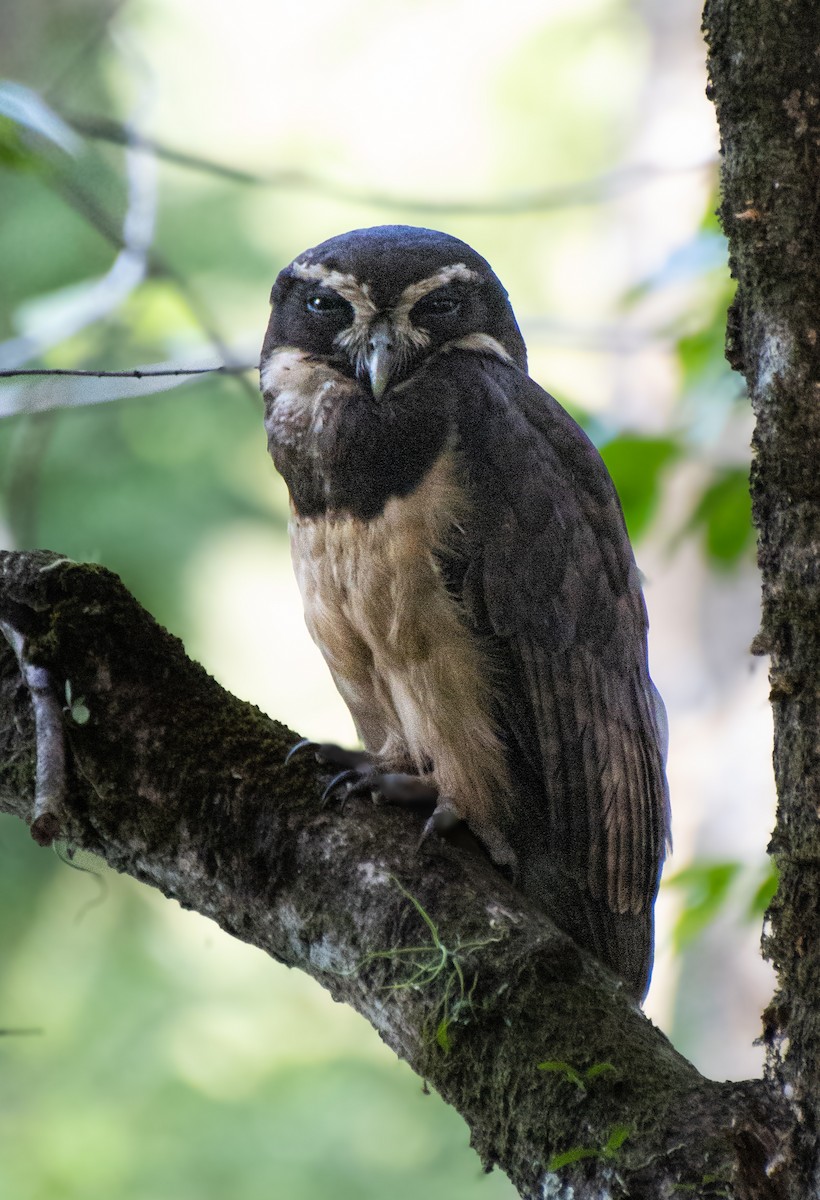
point(381, 358)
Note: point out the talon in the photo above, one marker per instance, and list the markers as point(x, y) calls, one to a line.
point(449, 826)
point(337, 781)
point(302, 744)
point(428, 829)
point(444, 821)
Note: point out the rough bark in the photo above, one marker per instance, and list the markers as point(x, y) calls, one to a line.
point(184, 786)
point(765, 80)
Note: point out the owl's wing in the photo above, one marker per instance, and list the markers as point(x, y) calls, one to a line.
point(550, 575)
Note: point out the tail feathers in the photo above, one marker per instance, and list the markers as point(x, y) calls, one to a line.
point(621, 941)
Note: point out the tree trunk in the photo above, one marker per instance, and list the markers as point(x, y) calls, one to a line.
point(764, 70)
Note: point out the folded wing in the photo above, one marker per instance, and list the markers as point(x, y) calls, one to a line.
point(548, 575)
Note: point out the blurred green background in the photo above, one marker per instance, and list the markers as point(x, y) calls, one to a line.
point(158, 164)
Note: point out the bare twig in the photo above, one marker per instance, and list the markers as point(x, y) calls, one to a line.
point(135, 372)
point(158, 267)
point(49, 784)
point(102, 296)
point(41, 388)
point(86, 50)
point(591, 191)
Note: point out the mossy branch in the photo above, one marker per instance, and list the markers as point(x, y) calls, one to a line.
point(185, 787)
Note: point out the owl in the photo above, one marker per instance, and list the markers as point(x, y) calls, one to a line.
point(466, 573)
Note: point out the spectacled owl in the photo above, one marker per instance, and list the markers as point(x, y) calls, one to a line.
point(466, 573)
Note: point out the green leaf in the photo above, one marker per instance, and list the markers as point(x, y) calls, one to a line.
point(705, 887)
point(577, 1154)
point(79, 713)
point(763, 895)
point(562, 1068)
point(15, 155)
point(701, 352)
point(598, 1069)
point(443, 1035)
point(724, 515)
point(635, 464)
point(617, 1136)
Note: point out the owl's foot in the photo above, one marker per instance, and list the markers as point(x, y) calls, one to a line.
point(453, 829)
point(364, 774)
point(416, 792)
point(384, 787)
point(361, 773)
point(403, 790)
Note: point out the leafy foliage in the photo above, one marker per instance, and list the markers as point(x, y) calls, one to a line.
point(636, 465)
point(705, 888)
point(724, 517)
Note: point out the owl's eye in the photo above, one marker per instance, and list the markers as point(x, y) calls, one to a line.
point(437, 305)
point(326, 304)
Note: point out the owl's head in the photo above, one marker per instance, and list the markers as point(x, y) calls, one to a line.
point(379, 301)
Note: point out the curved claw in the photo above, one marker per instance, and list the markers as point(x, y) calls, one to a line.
point(302, 744)
point(337, 781)
point(444, 823)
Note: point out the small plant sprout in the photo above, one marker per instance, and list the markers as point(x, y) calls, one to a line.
point(581, 1079)
point(75, 708)
point(618, 1134)
point(429, 962)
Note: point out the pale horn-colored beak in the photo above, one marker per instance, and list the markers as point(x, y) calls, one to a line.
point(381, 357)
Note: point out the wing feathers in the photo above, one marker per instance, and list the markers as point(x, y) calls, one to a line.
point(552, 580)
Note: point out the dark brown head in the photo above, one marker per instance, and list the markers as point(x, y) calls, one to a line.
point(378, 302)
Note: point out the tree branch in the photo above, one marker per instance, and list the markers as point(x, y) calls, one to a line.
point(133, 373)
point(608, 186)
point(563, 1081)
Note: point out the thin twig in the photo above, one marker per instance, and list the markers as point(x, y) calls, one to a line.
point(49, 784)
point(158, 267)
point(81, 55)
point(135, 373)
point(589, 191)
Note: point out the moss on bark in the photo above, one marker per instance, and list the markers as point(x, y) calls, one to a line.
point(765, 80)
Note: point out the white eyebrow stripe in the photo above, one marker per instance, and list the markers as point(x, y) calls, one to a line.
point(417, 291)
point(407, 333)
point(347, 286)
